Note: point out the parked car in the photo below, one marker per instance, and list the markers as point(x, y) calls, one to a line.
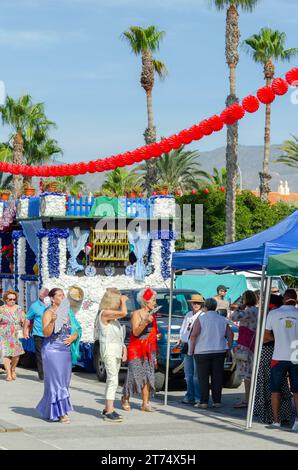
point(180, 308)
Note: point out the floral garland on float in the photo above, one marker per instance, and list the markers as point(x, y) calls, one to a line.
point(52, 204)
point(19, 243)
point(52, 249)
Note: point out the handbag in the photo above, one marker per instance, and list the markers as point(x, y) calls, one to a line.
point(246, 339)
point(241, 355)
point(184, 348)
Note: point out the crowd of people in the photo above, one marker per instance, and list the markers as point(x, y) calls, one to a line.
point(205, 338)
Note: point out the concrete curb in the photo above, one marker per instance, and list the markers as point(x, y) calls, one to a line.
point(9, 427)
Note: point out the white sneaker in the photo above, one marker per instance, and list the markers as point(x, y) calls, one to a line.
point(274, 425)
point(295, 426)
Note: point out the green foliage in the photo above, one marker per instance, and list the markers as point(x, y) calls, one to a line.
point(252, 215)
point(178, 169)
point(246, 5)
point(121, 181)
point(290, 156)
point(291, 282)
point(29, 118)
point(269, 45)
point(141, 39)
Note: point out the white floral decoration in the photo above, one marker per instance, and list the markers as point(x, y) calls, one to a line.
point(164, 207)
point(23, 208)
point(53, 205)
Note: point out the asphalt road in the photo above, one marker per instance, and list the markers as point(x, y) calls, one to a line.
point(175, 426)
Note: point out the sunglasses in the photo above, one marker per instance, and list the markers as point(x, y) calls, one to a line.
point(10, 299)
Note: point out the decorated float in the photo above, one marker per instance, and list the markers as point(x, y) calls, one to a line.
point(53, 240)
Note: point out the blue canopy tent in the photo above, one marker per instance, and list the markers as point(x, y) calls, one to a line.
point(249, 254)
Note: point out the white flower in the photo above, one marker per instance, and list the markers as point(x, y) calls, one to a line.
point(23, 208)
point(53, 205)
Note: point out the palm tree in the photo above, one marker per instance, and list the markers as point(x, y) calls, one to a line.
point(219, 178)
point(145, 42)
point(71, 184)
point(121, 181)
point(5, 181)
point(30, 127)
point(264, 48)
point(178, 169)
point(232, 58)
point(290, 156)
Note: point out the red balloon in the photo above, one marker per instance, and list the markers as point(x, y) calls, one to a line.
point(215, 123)
point(279, 86)
point(292, 77)
point(205, 127)
point(206, 190)
point(99, 165)
point(196, 132)
point(193, 191)
point(156, 150)
point(236, 111)
point(227, 117)
point(251, 104)
point(165, 146)
point(175, 142)
point(266, 94)
point(82, 168)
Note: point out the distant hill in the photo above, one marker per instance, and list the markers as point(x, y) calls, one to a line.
point(250, 163)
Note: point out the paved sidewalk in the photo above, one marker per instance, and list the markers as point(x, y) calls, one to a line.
point(175, 426)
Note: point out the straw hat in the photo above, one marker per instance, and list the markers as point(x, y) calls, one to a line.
point(75, 296)
point(111, 299)
point(197, 298)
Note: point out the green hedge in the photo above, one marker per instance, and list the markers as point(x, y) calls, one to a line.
point(252, 215)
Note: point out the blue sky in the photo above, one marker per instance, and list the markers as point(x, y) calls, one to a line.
point(68, 54)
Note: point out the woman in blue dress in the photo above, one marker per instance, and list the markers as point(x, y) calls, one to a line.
point(60, 351)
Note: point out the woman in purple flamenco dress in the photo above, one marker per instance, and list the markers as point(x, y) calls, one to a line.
point(60, 351)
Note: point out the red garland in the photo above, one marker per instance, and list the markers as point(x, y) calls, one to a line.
point(280, 86)
point(229, 116)
point(266, 95)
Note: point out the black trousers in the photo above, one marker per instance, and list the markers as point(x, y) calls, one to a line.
point(210, 365)
point(38, 344)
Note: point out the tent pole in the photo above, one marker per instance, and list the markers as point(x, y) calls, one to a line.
point(169, 337)
point(263, 308)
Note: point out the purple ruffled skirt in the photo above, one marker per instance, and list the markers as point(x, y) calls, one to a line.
point(57, 368)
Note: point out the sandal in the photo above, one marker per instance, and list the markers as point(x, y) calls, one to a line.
point(8, 379)
point(64, 419)
point(148, 408)
point(241, 404)
point(13, 375)
point(125, 404)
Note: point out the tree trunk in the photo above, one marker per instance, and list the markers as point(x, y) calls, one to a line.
point(147, 82)
point(18, 151)
point(265, 177)
point(28, 180)
point(232, 58)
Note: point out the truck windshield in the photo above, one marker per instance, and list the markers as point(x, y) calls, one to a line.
point(180, 304)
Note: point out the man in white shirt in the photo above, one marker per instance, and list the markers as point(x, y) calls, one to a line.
point(282, 326)
point(192, 395)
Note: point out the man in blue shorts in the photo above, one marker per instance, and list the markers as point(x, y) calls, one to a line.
point(282, 326)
